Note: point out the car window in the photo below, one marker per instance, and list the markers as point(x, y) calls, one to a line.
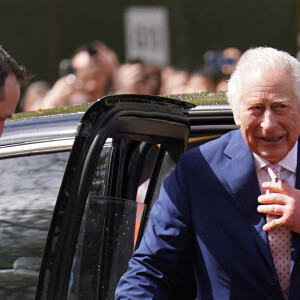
point(28, 191)
point(92, 230)
point(110, 225)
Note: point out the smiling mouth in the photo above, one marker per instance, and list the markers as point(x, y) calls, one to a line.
point(272, 140)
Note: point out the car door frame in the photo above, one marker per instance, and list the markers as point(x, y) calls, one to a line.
point(154, 119)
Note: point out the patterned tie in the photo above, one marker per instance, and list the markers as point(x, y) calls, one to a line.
point(280, 242)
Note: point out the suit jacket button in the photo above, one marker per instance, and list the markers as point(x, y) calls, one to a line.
point(273, 280)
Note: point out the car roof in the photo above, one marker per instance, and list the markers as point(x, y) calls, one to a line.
point(41, 131)
point(58, 125)
point(40, 128)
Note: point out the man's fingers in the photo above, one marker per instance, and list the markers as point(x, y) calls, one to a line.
point(278, 187)
point(283, 201)
point(271, 209)
point(274, 224)
point(273, 198)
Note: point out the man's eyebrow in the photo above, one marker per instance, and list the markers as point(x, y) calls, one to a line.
point(282, 100)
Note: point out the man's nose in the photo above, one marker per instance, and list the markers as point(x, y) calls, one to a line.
point(269, 121)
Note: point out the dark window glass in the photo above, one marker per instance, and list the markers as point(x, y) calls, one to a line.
point(112, 216)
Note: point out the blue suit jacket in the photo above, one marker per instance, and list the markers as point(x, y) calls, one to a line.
point(207, 213)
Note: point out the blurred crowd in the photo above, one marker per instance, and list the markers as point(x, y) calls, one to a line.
point(94, 71)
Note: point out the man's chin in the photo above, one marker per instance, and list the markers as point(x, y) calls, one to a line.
point(272, 158)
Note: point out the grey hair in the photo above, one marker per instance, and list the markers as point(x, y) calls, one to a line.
point(262, 59)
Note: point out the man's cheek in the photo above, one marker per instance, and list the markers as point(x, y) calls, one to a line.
point(2, 123)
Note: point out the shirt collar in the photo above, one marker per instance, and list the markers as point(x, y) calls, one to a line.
point(289, 162)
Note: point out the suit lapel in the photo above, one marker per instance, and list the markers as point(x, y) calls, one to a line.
point(240, 173)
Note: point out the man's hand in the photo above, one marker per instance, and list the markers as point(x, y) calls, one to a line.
point(284, 201)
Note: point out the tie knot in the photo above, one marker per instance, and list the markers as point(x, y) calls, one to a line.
point(274, 172)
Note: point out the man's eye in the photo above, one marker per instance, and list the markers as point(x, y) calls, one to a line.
point(256, 107)
point(281, 107)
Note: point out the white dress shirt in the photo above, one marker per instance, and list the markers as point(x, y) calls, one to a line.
point(288, 171)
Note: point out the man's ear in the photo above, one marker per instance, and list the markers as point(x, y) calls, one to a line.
point(237, 119)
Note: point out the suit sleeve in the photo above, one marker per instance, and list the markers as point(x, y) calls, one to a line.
point(154, 268)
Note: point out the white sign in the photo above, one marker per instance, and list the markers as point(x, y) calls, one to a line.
point(147, 34)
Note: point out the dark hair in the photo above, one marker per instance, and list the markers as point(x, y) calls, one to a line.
point(9, 66)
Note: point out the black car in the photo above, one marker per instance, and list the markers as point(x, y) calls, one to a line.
point(109, 178)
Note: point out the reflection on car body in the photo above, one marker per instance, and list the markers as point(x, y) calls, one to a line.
point(28, 192)
point(96, 212)
point(34, 153)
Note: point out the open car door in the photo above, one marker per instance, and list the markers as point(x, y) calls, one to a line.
point(124, 148)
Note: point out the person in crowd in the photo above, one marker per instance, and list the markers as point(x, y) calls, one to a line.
point(130, 78)
point(232, 205)
point(12, 76)
point(173, 81)
point(153, 79)
point(231, 57)
point(221, 86)
point(65, 91)
point(94, 71)
point(93, 68)
point(221, 64)
point(199, 82)
point(34, 95)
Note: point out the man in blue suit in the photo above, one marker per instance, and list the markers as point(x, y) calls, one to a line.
point(213, 209)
